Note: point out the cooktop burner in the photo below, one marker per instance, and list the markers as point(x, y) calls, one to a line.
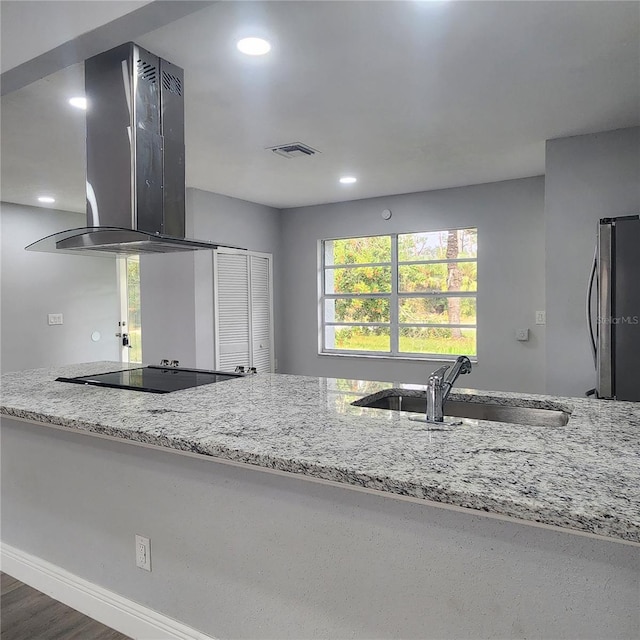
point(154, 379)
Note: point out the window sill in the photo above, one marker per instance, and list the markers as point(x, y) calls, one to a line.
point(429, 358)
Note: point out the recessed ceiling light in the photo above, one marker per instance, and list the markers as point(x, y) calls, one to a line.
point(79, 102)
point(253, 46)
point(47, 199)
point(348, 180)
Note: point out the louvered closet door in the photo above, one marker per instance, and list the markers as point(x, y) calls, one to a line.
point(231, 273)
point(260, 278)
point(243, 310)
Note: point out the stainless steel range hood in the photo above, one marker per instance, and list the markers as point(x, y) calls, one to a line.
point(135, 159)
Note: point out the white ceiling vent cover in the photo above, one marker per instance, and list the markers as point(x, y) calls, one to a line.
point(293, 150)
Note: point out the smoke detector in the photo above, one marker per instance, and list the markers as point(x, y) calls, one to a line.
point(293, 150)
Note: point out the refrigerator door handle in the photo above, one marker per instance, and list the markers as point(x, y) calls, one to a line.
point(605, 365)
point(592, 279)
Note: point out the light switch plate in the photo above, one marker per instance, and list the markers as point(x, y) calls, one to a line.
point(541, 317)
point(55, 318)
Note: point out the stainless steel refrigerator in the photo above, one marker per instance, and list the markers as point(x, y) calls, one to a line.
point(615, 330)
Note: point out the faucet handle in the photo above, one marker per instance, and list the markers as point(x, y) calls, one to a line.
point(465, 364)
point(438, 374)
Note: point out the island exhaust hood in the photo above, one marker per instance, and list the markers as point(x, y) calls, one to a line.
point(135, 159)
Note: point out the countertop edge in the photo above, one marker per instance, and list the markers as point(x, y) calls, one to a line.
point(412, 491)
point(318, 479)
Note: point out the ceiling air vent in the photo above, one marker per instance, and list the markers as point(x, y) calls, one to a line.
point(293, 150)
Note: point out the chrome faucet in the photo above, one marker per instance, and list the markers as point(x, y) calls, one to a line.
point(438, 387)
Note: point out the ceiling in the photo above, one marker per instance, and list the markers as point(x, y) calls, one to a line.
point(30, 29)
point(406, 96)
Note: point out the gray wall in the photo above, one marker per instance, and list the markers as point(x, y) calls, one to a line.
point(177, 289)
point(240, 553)
point(587, 178)
point(167, 308)
point(34, 284)
point(510, 220)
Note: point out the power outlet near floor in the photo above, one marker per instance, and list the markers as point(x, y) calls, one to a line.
point(143, 553)
point(54, 318)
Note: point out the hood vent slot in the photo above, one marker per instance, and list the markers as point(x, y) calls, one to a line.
point(146, 71)
point(172, 83)
point(293, 150)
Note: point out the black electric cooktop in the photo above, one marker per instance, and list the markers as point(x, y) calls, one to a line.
point(154, 379)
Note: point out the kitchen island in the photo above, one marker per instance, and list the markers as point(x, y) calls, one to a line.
point(578, 484)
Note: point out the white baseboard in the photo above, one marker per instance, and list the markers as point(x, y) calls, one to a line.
point(109, 608)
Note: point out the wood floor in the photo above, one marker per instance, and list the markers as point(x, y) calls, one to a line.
point(27, 614)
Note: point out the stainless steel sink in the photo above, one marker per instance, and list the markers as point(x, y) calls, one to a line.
point(395, 400)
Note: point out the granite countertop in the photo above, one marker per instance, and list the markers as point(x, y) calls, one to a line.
point(583, 476)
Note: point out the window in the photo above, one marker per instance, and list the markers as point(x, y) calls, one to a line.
point(129, 327)
point(133, 308)
point(400, 295)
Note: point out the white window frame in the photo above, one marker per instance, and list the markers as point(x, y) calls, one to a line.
point(394, 324)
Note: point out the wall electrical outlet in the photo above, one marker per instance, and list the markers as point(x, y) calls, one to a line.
point(522, 335)
point(143, 553)
point(541, 317)
point(54, 318)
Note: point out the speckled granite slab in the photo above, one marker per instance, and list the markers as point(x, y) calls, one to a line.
point(583, 476)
